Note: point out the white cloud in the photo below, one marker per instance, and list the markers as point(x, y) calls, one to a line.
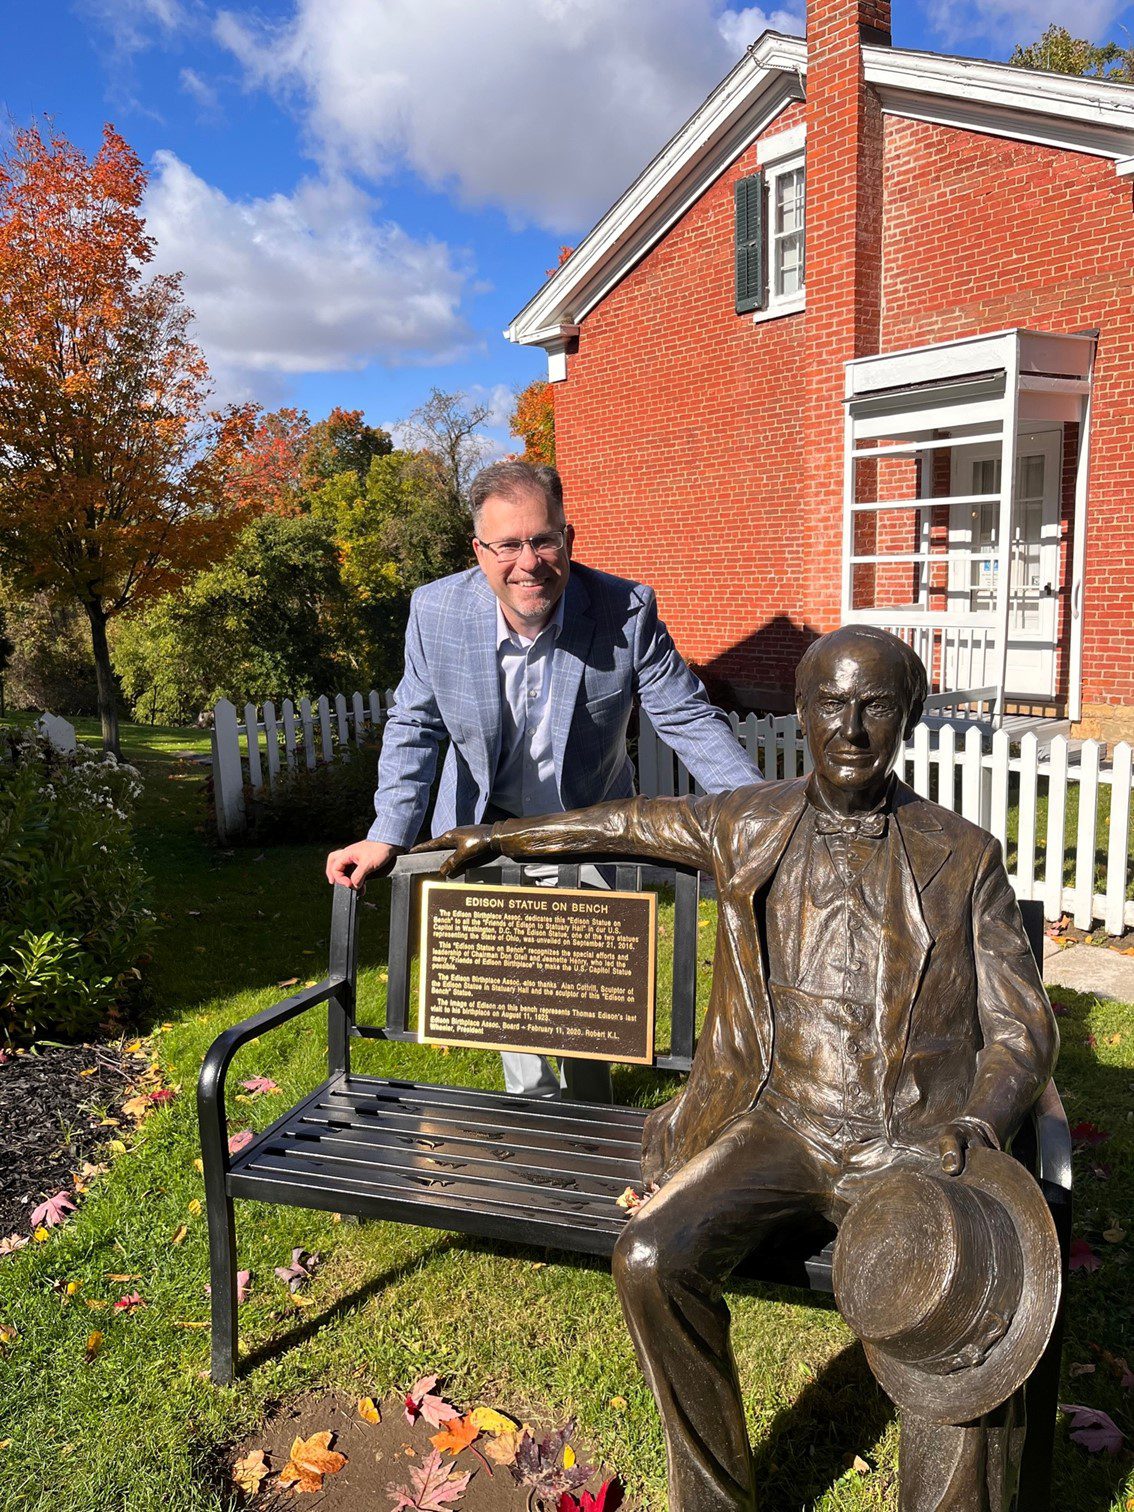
point(1005, 23)
point(199, 89)
point(740, 28)
point(134, 25)
point(545, 108)
point(302, 283)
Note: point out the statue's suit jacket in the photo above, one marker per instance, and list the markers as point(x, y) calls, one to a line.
point(966, 1025)
point(612, 649)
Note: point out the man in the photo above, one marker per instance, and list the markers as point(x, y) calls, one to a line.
point(875, 1009)
point(530, 664)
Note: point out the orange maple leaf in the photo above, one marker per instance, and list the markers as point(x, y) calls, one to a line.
point(311, 1459)
point(457, 1434)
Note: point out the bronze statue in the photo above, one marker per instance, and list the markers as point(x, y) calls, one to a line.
point(876, 1033)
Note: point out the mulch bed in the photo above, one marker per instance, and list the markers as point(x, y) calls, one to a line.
point(50, 1119)
point(378, 1455)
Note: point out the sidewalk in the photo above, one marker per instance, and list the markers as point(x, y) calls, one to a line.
point(1089, 968)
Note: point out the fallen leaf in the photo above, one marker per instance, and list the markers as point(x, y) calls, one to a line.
point(164, 1094)
point(1096, 1431)
point(94, 1343)
point(129, 1303)
point(179, 1233)
point(8, 1334)
point(311, 1459)
point(13, 1243)
point(422, 1402)
point(434, 1488)
point(368, 1410)
point(502, 1448)
point(96, 1304)
point(237, 1142)
point(457, 1434)
point(87, 1071)
point(51, 1212)
point(1115, 1234)
point(1114, 1039)
point(193, 1207)
point(1087, 1133)
point(288, 982)
point(540, 1464)
point(248, 1472)
point(123, 1275)
point(137, 1107)
point(301, 1269)
point(132, 1048)
point(859, 1465)
point(41, 1235)
point(1080, 1368)
point(1117, 1366)
point(199, 1166)
point(263, 1084)
point(488, 1420)
point(607, 1498)
point(568, 1457)
point(1082, 1256)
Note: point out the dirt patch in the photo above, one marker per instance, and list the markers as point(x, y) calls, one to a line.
point(378, 1455)
point(50, 1119)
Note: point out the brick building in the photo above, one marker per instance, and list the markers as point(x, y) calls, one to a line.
point(859, 344)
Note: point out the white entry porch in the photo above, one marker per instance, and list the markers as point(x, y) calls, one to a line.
point(964, 511)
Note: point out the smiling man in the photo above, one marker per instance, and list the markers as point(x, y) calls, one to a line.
point(875, 1012)
point(529, 665)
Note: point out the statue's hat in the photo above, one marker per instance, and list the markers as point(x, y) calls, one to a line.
point(952, 1283)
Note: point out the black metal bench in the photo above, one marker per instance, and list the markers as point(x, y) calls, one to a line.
point(493, 1166)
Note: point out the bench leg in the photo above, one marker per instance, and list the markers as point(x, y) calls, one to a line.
point(222, 1280)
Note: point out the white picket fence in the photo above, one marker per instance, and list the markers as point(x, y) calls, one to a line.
point(1062, 815)
point(1071, 845)
point(251, 753)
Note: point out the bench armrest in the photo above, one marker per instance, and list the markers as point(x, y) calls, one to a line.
point(214, 1067)
point(1053, 1139)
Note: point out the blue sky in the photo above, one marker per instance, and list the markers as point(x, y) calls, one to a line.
point(362, 193)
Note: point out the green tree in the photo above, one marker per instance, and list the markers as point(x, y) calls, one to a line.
point(341, 443)
point(1057, 51)
point(264, 623)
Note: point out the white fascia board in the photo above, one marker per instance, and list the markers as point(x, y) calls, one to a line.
point(768, 77)
point(1094, 116)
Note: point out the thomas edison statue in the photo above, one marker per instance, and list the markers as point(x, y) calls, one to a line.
point(876, 1033)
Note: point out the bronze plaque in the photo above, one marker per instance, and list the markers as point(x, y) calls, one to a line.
point(562, 971)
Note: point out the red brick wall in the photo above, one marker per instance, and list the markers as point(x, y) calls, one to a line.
point(679, 435)
point(981, 234)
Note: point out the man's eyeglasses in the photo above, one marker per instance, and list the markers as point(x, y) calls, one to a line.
point(547, 545)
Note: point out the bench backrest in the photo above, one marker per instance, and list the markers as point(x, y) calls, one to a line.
point(405, 884)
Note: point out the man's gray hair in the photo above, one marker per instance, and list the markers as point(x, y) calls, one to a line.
point(915, 683)
point(510, 480)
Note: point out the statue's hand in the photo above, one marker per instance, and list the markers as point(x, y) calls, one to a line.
point(954, 1140)
point(470, 845)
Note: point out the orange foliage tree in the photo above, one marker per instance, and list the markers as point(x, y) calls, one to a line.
point(533, 421)
point(265, 478)
point(113, 467)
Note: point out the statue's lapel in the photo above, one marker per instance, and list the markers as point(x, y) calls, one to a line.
point(770, 834)
point(568, 661)
point(918, 856)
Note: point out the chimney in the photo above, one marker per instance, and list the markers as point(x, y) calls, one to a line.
point(844, 265)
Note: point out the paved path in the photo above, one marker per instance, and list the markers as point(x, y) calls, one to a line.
point(1089, 968)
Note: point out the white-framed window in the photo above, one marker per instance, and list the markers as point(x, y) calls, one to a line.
point(786, 215)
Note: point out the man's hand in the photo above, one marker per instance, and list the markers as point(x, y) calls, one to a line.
point(470, 845)
point(351, 866)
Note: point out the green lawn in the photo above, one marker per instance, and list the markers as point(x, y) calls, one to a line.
point(140, 1424)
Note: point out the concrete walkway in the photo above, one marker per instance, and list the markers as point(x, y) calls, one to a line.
point(1089, 968)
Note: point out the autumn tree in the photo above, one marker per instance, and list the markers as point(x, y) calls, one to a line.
point(267, 476)
point(533, 421)
point(1058, 51)
point(343, 442)
point(113, 468)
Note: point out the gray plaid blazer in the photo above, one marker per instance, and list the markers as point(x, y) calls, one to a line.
point(612, 649)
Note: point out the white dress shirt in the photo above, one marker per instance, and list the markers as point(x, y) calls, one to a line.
point(525, 774)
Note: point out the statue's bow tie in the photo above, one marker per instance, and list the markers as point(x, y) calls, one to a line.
point(855, 827)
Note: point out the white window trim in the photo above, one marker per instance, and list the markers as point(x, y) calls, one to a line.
point(777, 155)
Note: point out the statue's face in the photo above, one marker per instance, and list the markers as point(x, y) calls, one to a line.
point(855, 716)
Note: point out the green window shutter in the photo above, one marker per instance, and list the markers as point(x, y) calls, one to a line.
point(751, 273)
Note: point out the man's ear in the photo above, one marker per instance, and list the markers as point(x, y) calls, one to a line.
point(569, 534)
point(913, 719)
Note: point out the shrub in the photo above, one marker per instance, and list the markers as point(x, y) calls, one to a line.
point(72, 914)
point(330, 805)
